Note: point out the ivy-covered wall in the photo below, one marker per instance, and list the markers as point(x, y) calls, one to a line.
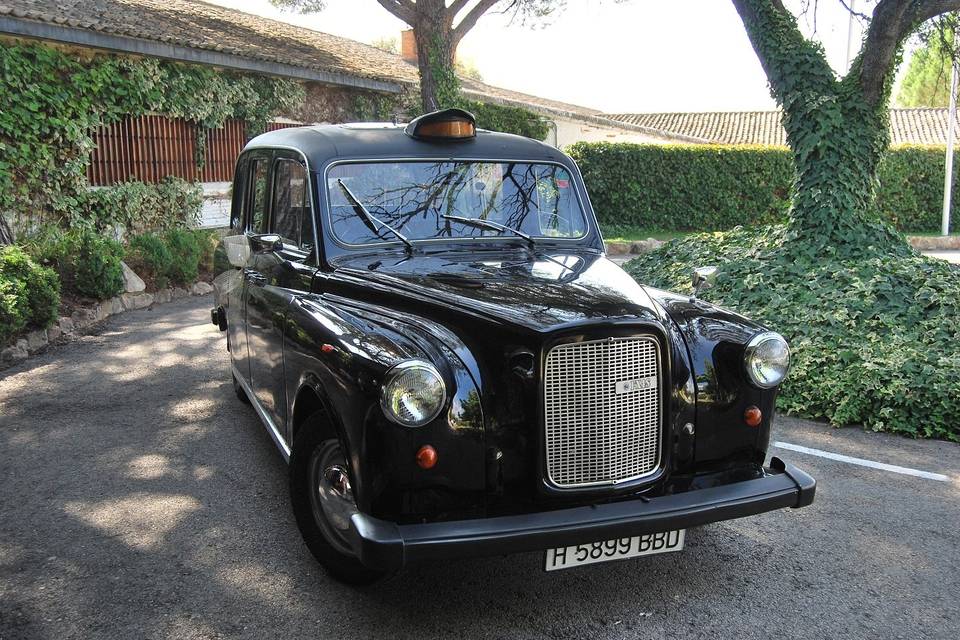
point(53, 99)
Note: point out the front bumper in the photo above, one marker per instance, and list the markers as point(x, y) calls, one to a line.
point(387, 545)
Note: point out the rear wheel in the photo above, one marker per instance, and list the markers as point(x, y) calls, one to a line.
point(237, 389)
point(323, 501)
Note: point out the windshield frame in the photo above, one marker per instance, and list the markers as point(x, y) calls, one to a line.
point(506, 239)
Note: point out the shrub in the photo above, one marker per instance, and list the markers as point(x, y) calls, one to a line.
point(150, 257)
point(874, 337)
point(186, 248)
point(40, 286)
point(88, 263)
point(495, 117)
point(718, 187)
point(13, 308)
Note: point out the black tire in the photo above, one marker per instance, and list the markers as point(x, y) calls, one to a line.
point(237, 389)
point(315, 446)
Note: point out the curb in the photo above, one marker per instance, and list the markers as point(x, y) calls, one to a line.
point(68, 328)
point(935, 243)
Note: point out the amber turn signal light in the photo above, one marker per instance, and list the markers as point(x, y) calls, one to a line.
point(753, 416)
point(426, 457)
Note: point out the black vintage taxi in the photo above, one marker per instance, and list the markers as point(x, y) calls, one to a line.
point(424, 319)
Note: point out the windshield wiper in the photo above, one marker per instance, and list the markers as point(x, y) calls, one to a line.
point(371, 220)
point(487, 224)
point(496, 226)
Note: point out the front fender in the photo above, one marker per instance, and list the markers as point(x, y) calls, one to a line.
point(363, 342)
point(716, 339)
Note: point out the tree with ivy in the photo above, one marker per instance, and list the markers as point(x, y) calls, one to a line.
point(872, 323)
point(927, 80)
point(837, 128)
point(438, 27)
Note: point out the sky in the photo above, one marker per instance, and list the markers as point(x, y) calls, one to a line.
point(634, 56)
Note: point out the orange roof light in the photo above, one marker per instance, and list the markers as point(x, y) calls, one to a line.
point(448, 124)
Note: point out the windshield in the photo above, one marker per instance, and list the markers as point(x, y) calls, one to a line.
point(412, 197)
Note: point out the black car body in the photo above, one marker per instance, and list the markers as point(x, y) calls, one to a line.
point(535, 444)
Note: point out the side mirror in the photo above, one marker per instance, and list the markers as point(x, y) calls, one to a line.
point(238, 250)
point(703, 278)
point(266, 242)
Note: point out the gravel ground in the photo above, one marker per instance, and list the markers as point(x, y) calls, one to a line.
point(140, 499)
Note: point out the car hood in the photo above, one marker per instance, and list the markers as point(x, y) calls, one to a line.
point(542, 293)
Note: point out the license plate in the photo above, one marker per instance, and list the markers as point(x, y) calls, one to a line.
point(616, 549)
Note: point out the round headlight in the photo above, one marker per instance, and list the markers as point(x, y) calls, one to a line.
point(413, 393)
point(767, 359)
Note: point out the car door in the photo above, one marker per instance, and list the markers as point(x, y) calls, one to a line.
point(281, 268)
point(247, 214)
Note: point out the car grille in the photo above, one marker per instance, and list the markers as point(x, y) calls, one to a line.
point(602, 411)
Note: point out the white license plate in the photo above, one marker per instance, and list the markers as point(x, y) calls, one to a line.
point(616, 549)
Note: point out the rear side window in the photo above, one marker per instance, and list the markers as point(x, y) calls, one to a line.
point(257, 196)
point(291, 207)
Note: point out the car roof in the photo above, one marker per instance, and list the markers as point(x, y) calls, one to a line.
point(322, 144)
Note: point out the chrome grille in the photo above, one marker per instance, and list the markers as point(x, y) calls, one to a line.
point(602, 411)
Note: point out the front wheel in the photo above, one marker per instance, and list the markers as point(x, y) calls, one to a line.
point(323, 502)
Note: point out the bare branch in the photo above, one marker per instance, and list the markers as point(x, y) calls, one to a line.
point(857, 14)
point(406, 10)
point(456, 7)
point(471, 18)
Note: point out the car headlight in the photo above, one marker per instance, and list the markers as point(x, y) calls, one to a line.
point(413, 393)
point(768, 359)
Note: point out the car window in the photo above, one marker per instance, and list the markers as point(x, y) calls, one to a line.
point(258, 195)
point(536, 198)
point(291, 209)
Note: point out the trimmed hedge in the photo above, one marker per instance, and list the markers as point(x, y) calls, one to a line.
point(718, 187)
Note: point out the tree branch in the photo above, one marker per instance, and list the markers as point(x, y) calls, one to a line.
point(471, 18)
point(777, 40)
point(455, 7)
point(893, 20)
point(406, 10)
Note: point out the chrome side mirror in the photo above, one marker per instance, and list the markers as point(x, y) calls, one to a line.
point(267, 242)
point(238, 250)
point(703, 278)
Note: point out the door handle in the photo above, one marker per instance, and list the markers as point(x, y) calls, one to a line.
point(254, 277)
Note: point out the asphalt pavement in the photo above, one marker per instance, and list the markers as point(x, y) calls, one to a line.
point(140, 499)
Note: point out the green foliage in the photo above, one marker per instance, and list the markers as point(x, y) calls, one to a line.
point(88, 263)
point(29, 293)
point(53, 102)
point(715, 187)
point(149, 256)
point(13, 317)
point(927, 80)
point(875, 339)
point(139, 206)
point(505, 119)
point(187, 248)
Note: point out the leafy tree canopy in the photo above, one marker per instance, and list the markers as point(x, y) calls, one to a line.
point(927, 80)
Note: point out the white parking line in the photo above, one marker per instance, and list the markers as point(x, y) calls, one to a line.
point(907, 471)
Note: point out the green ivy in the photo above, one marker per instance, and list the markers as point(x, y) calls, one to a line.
point(718, 187)
point(874, 340)
point(137, 207)
point(54, 101)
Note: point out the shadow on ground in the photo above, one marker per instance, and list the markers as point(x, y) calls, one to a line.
point(141, 499)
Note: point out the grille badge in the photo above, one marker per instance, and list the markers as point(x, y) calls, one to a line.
point(640, 384)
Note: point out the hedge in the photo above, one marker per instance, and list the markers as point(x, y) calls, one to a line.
point(718, 187)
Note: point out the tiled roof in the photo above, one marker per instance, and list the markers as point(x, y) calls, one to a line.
point(199, 25)
point(208, 27)
point(907, 126)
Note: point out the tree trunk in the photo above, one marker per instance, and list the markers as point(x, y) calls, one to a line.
point(836, 134)
point(6, 235)
point(436, 49)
